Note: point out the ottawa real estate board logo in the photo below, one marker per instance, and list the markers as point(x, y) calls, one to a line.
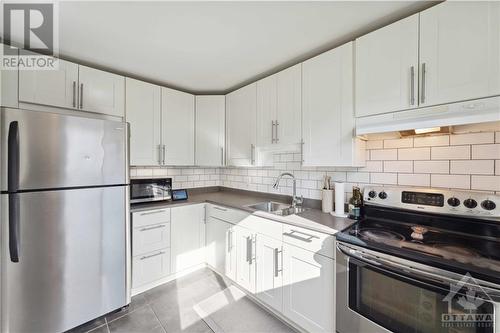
point(29, 36)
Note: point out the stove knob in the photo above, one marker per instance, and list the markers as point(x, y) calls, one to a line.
point(372, 194)
point(453, 202)
point(470, 203)
point(488, 204)
point(382, 195)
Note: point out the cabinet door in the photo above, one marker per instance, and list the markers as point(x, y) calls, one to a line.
point(217, 243)
point(150, 238)
point(269, 271)
point(210, 128)
point(150, 267)
point(241, 129)
point(308, 289)
point(143, 114)
point(460, 49)
point(266, 111)
point(101, 92)
point(245, 262)
point(289, 105)
point(188, 236)
point(177, 110)
point(231, 256)
point(327, 115)
point(50, 87)
point(387, 68)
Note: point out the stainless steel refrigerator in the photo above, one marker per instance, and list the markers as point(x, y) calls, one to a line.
point(64, 220)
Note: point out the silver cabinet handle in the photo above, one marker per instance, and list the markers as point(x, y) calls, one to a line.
point(272, 131)
point(276, 258)
point(153, 212)
point(422, 93)
point(302, 150)
point(153, 227)
point(276, 139)
point(159, 154)
point(249, 249)
point(81, 95)
point(221, 156)
point(296, 234)
point(74, 94)
point(152, 255)
point(229, 240)
point(164, 150)
point(252, 153)
point(412, 85)
point(219, 208)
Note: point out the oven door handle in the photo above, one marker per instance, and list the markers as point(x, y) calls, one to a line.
point(411, 272)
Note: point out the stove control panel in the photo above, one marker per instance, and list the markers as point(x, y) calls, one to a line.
point(473, 204)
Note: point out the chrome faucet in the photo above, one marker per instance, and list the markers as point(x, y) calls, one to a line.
point(296, 201)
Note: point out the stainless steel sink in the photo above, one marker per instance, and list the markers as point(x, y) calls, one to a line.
point(277, 208)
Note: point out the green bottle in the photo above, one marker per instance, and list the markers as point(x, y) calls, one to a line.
point(355, 204)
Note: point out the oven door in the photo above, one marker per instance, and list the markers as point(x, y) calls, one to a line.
point(380, 293)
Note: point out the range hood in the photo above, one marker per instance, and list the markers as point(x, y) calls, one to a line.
point(461, 113)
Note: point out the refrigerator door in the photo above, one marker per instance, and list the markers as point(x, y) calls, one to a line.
point(57, 151)
point(71, 262)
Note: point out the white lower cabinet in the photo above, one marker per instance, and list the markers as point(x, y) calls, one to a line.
point(188, 236)
point(216, 244)
point(150, 267)
point(245, 261)
point(270, 271)
point(308, 289)
point(230, 254)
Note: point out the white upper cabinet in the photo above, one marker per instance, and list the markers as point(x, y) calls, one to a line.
point(279, 108)
point(101, 92)
point(387, 68)
point(50, 87)
point(177, 109)
point(241, 126)
point(210, 129)
point(459, 51)
point(143, 113)
point(327, 110)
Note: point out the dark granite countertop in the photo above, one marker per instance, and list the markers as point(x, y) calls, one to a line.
point(313, 218)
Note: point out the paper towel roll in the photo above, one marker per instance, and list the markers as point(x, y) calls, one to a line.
point(339, 199)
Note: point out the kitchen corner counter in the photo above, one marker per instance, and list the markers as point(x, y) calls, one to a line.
point(313, 219)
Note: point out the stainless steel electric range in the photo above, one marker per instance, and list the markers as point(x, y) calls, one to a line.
point(420, 261)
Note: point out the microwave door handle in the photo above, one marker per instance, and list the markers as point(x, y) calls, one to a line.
point(13, 187)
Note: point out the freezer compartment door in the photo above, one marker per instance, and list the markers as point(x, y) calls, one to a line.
point(72, 259)
point(58, 151)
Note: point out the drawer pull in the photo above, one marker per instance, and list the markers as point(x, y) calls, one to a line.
point(153, 227)
point(152, 255)
point(221, 209)
point(296, 234)
point(154, 212)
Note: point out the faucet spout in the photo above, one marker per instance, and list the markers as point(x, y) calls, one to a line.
point(295, 200)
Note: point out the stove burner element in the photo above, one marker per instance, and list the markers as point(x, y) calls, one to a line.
point(380, 235)
point(418, 232)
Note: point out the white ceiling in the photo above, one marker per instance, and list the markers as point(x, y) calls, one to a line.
point(207, 47)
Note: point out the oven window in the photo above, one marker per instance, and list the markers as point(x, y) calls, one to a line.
point(404, 305)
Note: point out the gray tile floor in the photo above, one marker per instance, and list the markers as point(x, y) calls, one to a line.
point(175, 308)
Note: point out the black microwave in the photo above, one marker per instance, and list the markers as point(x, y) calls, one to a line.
point(146, 190)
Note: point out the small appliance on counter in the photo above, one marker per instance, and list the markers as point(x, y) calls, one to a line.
point(180, 194)
point(148, 190)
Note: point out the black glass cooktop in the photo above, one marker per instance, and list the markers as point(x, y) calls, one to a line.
point(458, 244)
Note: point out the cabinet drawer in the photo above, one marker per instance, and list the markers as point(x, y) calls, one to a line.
point(263, 226)
point(309, 240)
point(150, 267)
point(226, 214)
point(150, 238)
point(149, 217)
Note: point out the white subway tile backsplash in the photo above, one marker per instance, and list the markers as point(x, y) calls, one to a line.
point(472, 138)
point(358, 177)
point(450, 153)
point(372, 166)
point(486, 183)
point(486, 152)
point(432, 141)
point(497, 167)
point(451, 181)
point(497, 137)
point(398, 143)
point(414, 179)
point(398, 166)
point(473, 167)
point(374, 144)
point(412, 154)
point(384, 178)
point(384, 154)
point(431, 167)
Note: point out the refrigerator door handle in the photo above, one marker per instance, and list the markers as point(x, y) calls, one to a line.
point(12, 187)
